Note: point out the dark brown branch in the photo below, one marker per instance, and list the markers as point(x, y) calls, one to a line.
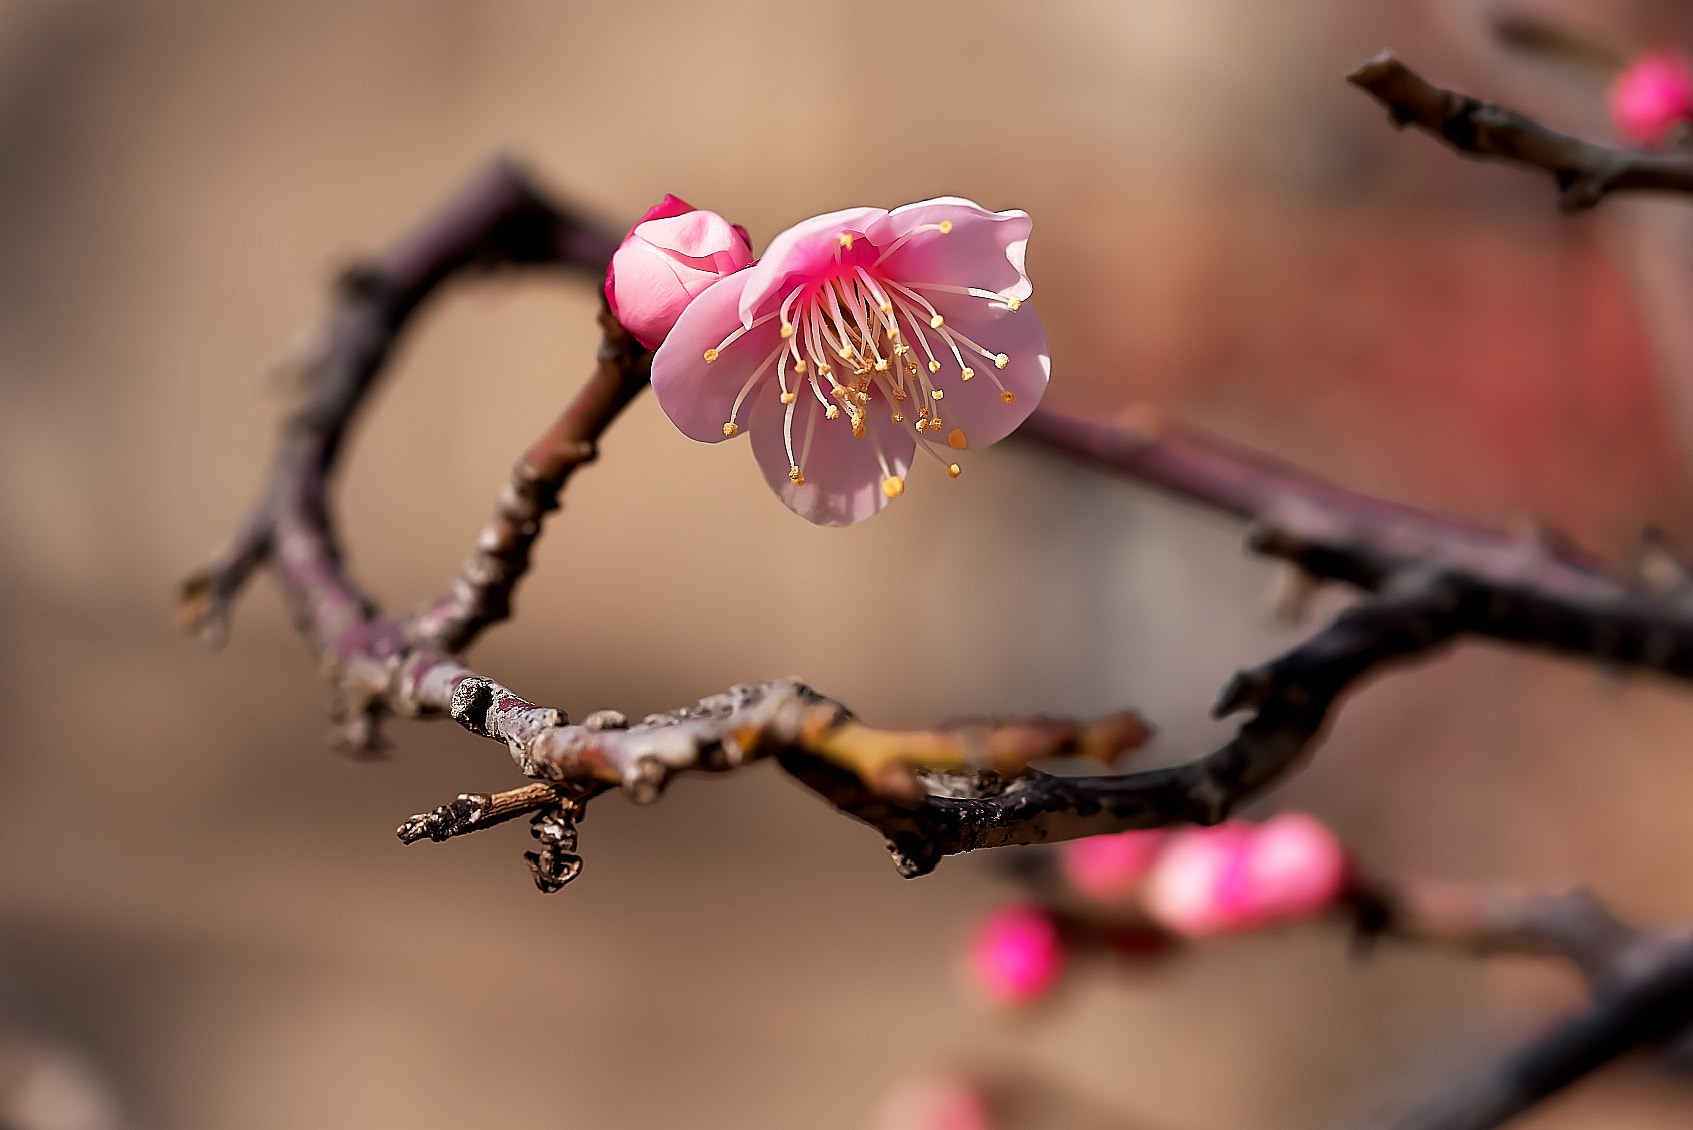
point(1584, 172)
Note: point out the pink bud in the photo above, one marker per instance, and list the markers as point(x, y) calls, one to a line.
point(1651, 95)
point(1107, 868)
point(668, 259)
point(1197, 886)
point(1017, 955)
point(1295, 868)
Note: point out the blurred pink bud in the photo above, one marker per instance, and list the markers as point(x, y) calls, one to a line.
point(668, 258)
point(935, 1104)
point(1651, 95)
point(1109, 867)
point(1295, 868)
point(1017, 955)
point(1239, 876)
point(1197, 886)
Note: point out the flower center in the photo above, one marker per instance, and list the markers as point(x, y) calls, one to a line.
point(858, 340)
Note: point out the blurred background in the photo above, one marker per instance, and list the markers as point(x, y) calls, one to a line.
point(205, 918)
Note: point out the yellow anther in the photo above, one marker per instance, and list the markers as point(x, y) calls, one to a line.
point(953, 471)
point(923, 410)
point(788, 398)
point(937, 394)
point(824, 371)
point(893, 333)
point(832, 412)
point(967, 373)
point(936, 322)
point(1013, 303)
point(956, 439)
point(1008, 397)
point(934, 366)
point(845, 352)
point(901, 349)
point(710, 356)
point(922, 425)
point(861, 396)
point(1001, 361)
point(845, 240)
point(946, 227)
point(911, 368)
point(858, 426)
point(882, 365)
point(935, 424)
point(799, 366)
point(899, 397)
point(729, 429)
point(886, 307)
point(893, 486)
point(796, 476)
point(787, 329)
point(899, 417)
point(838, 391)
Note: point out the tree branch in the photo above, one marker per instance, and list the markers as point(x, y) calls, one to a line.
point(1584, 172)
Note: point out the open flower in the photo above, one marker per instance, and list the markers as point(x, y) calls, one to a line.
point(861, 337)
point(667, 260)
point(1651, 95)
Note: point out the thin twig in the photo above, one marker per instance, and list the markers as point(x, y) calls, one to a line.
point(1584, 172)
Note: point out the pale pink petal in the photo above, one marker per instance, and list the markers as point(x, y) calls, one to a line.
point(697, 395)
point(843, 477)
point(1108, 868)
point(1295, 868)
point(653, 287)
point(802, 250)
point(941, 1103)
point(699, 235)
point(1194, 889)
point(975, 406)
point(984, 249)
point(1017, 954)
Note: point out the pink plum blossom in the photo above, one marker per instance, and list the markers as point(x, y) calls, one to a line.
point(1017, 954)
point(1238, 876)
point(1651, 95)
point(862, 337)
point(1107, 868)
point(666, 261)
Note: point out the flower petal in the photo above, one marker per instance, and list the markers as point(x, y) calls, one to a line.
point(983, 249)
point(975, 406)
point(653, 286)
point(843, 476)
point(697, 395)
point(806, 248)
point(698, 235)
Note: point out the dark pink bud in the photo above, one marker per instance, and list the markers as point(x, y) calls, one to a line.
point(1652, 95)
point(1017, 954)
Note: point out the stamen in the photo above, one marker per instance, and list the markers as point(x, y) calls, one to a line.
point(936, 322)
point(787, 330)
point(752, 380)
point(945, 226)
point(796, 476)
point(967, 373)
point(935, 367)
point(1000, 361)
point(845, 240)
point(1008, 396)
point(789, 398)
point(922, 425)
point(898, 417)
point(893, 486)
point(713, 354)
point(832, 412)
point(710, 356)
point(1013, 303)
point(956, 439)
point(858, 427)
point(953, 470)
point(937, 394)
point(729, 430)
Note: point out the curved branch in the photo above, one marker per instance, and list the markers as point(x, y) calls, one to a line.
point(1584, 172)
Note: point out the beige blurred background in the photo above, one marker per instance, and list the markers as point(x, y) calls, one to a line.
point(206, 911)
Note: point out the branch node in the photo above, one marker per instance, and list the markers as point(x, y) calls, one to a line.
point(555, 863)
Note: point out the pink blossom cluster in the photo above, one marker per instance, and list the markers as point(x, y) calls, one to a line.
point(860, 340)
point(1190, 883)
point(1652, 95)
